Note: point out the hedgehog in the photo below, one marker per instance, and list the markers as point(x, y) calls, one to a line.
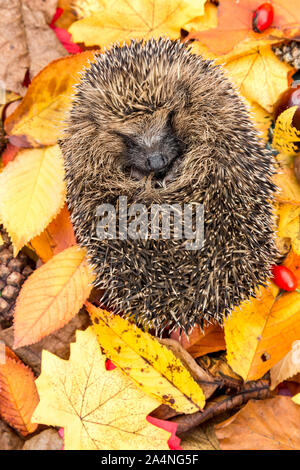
point(157, 124)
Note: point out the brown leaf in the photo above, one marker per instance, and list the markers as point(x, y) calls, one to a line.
point(58, 342)
point(46, 440)
point(26, 41)
point(198, 343)
point(9, 440)
point(271, 424)
point(201, 438)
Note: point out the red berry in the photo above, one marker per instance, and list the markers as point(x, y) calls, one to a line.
point(287, 99)
point(262, 17)
point(284, 278)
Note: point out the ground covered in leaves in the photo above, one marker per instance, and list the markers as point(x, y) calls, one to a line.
point(73, 374)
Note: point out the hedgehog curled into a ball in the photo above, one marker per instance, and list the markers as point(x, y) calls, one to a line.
point(155, 123)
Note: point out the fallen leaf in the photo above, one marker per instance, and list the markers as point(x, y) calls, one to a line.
point(201, 438)
point(98, 409)
point(152, 366)
point(37, 121)
point(285, 134)
point(9, 439)
point(207, 21)
point(296, 399)
point(271, 424)
point(287, 367)
point(27, 210)
point(289, 226)
point(259, 75)
point(58, 236)
point(235, 24)
point(26, 41)
point(262, 332)
point(289, 188)
point(144, 19)
point(45, 440)
point(292, 261)
point(52, 296)
point(18, 395)
point(198, 343)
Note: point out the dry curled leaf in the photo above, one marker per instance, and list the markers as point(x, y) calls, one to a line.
point(26, 41)
point(285, 134)
point(98, 409)
point(271, 424)
point(52, 296)
point(152, 366)
point(287, 367)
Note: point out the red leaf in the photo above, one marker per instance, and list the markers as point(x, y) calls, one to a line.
point(173, 441)
point(63, 35)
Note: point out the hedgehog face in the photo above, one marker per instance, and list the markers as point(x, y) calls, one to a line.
point(150, 151)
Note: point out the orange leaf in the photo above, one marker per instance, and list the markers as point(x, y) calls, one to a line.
point(292, 261)
point(52, 295)
point(262, 425)
point(199, 343)
point(262, 332)
point(235, 24)
point(18, 394)
point(58, 236)
point(36, 122)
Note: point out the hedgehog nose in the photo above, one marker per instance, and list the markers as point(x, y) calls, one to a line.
point(156, 162)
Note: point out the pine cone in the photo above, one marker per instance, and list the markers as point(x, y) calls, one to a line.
point(288, 52)
point(13, 272)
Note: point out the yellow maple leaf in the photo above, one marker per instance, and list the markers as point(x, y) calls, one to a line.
point(98, 409)
point(52, 295)
point(262, 332)
point(207, 21)
point(45, 106)
point(32, 192)
point(259, 75)
point(137, 19)
point(152, 366)
point(285, 134)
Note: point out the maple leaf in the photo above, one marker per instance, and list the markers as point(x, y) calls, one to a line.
point(37, 121)
point(260, 333)
point(152, 366)
point(26, 41)
point(27, 210)
point(285, 134)
point(259, 75)
point(271, 424)
point(18, 394)
point(288, 225)
point(52, 296)
point(144, 19)
point(287, 367)
point(98, 409)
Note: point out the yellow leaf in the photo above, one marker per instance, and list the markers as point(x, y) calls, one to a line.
point(151, 365)
point(296, 399)
point(85, 8)
point(261, 119)
point(289, 188)
point(259, 75)
point(38, 120)
point(207, 21)
point(52, 295)
point(137, 19)
point(285, 134)
point(98, 409)
point(262, 332)
point(289, 224)
point(32, 192)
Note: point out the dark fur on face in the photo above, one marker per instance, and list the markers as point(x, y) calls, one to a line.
point(156, 98)
point(151, 152)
